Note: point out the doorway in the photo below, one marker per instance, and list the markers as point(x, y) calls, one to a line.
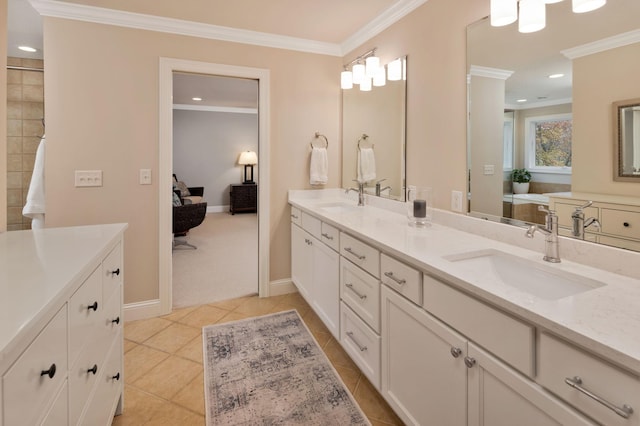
point(215, 122)
point(167, 68)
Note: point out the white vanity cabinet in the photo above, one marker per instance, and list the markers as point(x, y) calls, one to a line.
point(315, 268)
point(61, 357)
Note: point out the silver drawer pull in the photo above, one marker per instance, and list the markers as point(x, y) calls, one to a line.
point(327, 236)
point(362, 348)
point(359, 256)
point(360, 295)
point(576, 383)
point(393, 277)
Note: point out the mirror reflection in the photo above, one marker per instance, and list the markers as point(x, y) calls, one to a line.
point(627, 140)
point(373, 138)
point(539, 104)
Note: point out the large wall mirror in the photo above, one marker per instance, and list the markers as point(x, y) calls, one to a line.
point(376, 119)
point(527, 103)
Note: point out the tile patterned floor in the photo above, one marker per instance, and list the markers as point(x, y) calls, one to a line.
point(163, 362)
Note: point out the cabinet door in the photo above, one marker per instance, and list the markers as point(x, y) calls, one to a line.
point(499, 396)
point(424, 377)
point(326, 285)
point(301, 261)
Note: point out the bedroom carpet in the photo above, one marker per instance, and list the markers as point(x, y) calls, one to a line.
point(270, 370)
point(225, 264)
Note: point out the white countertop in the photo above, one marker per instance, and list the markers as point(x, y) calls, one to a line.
point(40, 269)
point(605, 320)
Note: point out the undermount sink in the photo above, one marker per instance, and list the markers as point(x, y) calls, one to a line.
point(542, 281)
point(338, 207)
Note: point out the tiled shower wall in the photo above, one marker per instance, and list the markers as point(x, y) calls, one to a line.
point(25, 114)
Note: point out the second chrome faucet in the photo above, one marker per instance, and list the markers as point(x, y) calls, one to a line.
point(550, 231)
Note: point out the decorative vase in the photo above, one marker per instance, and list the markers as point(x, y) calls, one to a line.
point(419, 206)
point(521, 188)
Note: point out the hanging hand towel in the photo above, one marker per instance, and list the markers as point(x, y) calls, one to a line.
point(319, 169)
point(35, 206)
point(366, 165)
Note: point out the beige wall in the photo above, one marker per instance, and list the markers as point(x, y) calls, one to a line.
point(102, 113)
point(3, 115)
point(598, 81)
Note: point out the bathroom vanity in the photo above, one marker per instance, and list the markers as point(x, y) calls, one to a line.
point(463, 323)
point(61, 353)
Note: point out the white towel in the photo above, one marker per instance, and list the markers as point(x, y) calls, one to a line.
point(366, 165)
point(35, 206)
point(319, 168)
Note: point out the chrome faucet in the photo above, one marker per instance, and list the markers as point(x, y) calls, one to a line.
point(550, 230)
point(579, 222)
point(378, 189)
point(360, 192)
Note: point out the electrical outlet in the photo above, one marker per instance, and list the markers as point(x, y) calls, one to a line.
point(456, 201)
point(145, 176)
point(88, 178)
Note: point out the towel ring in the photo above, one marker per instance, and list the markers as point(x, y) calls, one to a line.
point(364, 138)
point(318, 136)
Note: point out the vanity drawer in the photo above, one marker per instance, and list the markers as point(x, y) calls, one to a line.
point(620, 243)
point(361, 292)
point(26, 390)
point(402, 278)
point(361, 343)
point(312, 225)
point(331, 236)
point(112, 272)
point(296, 216)
point(83, 318)
point(360, 254)
point(621, 222)
point(559, 361)
point(508, 338)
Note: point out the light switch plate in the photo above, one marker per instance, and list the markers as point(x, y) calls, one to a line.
point(88, 178)
point(456, 201)
point(489, 169)
point(145, 176)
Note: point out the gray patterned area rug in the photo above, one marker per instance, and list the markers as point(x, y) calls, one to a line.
point(269, 370)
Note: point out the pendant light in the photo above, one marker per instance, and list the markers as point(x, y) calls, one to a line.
point(532, 16)
point(503, 12)
point(582, 6)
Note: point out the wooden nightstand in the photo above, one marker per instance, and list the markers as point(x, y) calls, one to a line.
point(243, 198)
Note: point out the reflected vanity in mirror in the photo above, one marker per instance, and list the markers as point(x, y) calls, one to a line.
point(626, 140)
point(529, 94)
point(373, 130)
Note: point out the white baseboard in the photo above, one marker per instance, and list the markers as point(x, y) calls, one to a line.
point(151, 308)
point(279, 287)
point(217, 209)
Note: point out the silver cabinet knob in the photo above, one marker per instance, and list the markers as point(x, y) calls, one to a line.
point(456, 352)
point(469, 362)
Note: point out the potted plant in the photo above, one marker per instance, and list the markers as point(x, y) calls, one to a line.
point(520, 179)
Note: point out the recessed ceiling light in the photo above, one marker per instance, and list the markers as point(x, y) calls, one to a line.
point(27, 49)
point(556, 75)
point(196, 99)
point(521, 100)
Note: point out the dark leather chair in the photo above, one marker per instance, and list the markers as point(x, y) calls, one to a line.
point(186, 217)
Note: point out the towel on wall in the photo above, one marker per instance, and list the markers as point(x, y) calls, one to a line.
point(35, 205)
point(366, 165)
point(319, 169)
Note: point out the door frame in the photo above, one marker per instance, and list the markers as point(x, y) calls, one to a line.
point(165, 167)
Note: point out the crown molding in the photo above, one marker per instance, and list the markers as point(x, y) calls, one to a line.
point(608, 43)
point(211, 108)
point(479, 71)
point(99, 15)
point(383, 21)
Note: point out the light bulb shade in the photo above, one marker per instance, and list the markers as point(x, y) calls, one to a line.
point(358, 73)
point(248, 158)
point(532, 16)
point(372, 65)
point(380, 79)
point(365, 84)
point(503, 12)
point(346, 80)
point(582, 6)
point(394, 70)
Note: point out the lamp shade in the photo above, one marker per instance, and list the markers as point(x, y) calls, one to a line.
point(394, 70)
point(346, 80)
point(532, 16)
point(503, 12)
point(365, 84)
point(358, 73)
point(380, 79)
point(372, 65)
point(581, 6)
point(248, 158)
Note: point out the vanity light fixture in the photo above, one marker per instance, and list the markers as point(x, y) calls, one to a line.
point(363, 68)
point(531, 14)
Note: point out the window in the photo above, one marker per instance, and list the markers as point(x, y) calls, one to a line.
point(548, 143)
